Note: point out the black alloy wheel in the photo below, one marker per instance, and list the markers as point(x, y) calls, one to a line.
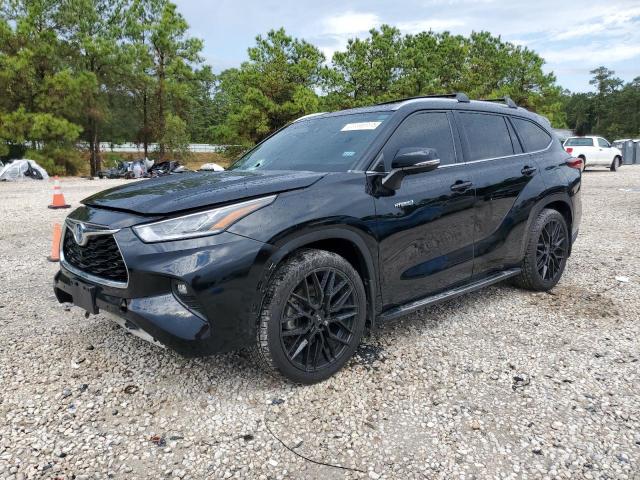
point(312, 318)
point(319, 319)
point(546, 252)
point(551, 251)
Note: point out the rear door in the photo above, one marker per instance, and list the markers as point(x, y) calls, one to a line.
point(425, 228)
point(502, 174)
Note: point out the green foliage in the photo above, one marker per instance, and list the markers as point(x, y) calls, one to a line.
point(57, 160)
point(55, 134)
point(368, 70)
point(286, 78)
point(81, 70)
point(128, 70)
point(40, 96)
point(276, 85)
point(164, 74)
point(176, 137)
point(387, 66)
point(111, 159)
point(20, 126)
point(613, 111)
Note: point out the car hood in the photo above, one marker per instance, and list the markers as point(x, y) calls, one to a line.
point(186, 191)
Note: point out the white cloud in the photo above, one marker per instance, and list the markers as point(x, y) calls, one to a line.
point(592, 54)
point(350, 23)
point(580, 31)
point(611, 22)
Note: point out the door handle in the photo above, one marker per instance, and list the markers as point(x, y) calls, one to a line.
point(461, 186)
point(527, 170)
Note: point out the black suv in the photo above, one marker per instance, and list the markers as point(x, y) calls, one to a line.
point(332, 224)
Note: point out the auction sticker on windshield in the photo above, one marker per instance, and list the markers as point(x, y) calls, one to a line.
point(360, 126)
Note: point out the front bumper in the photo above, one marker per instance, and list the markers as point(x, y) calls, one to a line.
point(162, 317)
point(223, 272)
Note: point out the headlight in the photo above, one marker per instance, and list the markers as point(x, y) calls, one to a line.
point(200, 224)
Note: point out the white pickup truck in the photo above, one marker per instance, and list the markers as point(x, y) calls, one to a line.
point(594, 152)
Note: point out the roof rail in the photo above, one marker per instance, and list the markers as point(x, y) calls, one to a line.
point(308, 116)
point(460, 97)
point(506, 99)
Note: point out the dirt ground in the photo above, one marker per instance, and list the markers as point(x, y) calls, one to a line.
point(501, 383)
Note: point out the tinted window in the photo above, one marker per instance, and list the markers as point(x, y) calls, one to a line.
point(534, 137)
point(603, 143)
point(429, 130)
point(487, 135)
point(325, 144)
point(579, 142)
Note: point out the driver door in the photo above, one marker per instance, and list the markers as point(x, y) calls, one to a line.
point(425, 227)
point(603, 151)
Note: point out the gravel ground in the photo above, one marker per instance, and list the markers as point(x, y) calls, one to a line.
point(500, 383)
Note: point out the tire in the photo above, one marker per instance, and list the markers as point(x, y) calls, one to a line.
point(325, 322)
point(546, 252)
point(584, 163)
point(615, 164)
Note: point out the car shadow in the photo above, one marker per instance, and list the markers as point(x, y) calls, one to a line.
point(235, 371)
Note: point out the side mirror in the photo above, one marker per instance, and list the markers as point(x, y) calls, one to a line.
point(409, 161)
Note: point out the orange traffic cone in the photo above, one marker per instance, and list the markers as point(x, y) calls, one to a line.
point(55, 244)
point(58, 197)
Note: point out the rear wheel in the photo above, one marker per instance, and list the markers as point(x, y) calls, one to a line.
point(313, 317)
point(546, 253)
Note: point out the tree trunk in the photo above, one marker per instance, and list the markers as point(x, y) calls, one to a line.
point(92, 148)
point(92, 158)
point(145, 123)
point(96, 146)
point(160, 131)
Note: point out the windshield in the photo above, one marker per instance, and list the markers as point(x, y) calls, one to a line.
point(579, 142)
point(328, 144)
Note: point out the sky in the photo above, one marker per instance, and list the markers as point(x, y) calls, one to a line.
point(573, 36)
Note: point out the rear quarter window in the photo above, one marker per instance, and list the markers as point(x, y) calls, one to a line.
point(487, 135)
point(533, 137)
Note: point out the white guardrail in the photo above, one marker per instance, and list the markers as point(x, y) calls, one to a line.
point(152, 147)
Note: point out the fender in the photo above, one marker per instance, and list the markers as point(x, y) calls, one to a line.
point(288, 245)
point(539, 206)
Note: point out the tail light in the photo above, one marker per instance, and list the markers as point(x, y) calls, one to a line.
point(569, 149)
point(575, 163)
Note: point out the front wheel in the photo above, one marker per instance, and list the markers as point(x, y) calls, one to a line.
point(615, 164)
point(546, 252)
point(312, 318)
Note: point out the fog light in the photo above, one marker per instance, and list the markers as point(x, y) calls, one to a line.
point(186, 297)
point(181, 287)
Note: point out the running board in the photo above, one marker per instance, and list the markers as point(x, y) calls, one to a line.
point(449, 294)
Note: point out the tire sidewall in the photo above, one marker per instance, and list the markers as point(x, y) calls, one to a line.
point(274, 310)
point(545, 217)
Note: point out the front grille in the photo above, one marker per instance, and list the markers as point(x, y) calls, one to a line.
point(100, 257)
